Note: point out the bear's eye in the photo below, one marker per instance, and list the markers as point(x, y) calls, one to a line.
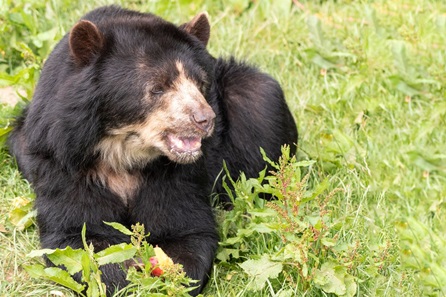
point(157, 91)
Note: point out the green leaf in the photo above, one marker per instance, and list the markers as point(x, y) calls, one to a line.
point(244, 232)
point(116, 254)
point(350, 285)
point(286, 293)
point(330, 282)
point(71, 259)
point(291, 251)
point(262, 228)
point(5, 131)
point(62, 277)
point(86, 267)
point(262, 212)
point(56, 275)
point(93, 290)
point(329, 242)
point(8, 80)
point(84, 236)
point(16, 18)
point(232, 240)
point(135, 278)
point(225, 254)
point(316, 192)
point(47, 35)
point(313, 220)
point(333, 278)
point(40, 253)
point(35, 271)
point(261, 270)
point(21, 218)
point(225, 185)
point(121, 228)
point(401, 85)
point(268, 160)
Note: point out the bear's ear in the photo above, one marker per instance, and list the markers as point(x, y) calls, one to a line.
point(86, 41)
point(199, 27)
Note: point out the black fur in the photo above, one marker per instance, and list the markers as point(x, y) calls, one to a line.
point(78, 100)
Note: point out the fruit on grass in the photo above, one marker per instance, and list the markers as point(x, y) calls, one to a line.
point(160, 262)
point(156, 270)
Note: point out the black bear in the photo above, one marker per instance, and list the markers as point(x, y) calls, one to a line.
point(130, 122)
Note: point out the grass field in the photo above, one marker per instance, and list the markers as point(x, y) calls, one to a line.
point(366, 83)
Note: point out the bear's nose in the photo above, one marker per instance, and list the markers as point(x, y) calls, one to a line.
point(204, 119)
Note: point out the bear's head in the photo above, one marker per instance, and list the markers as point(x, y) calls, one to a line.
point(150, 81)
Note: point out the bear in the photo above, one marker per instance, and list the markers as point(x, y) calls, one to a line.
point(130, 122)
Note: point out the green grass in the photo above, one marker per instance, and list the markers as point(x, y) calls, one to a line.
point(366, 83)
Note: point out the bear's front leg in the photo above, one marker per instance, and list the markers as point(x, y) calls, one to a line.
point(174, 207)
point(196, 253)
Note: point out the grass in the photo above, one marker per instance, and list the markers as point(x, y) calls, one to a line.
point(366, 83)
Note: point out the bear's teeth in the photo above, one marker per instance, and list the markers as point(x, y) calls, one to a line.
point(185, 144)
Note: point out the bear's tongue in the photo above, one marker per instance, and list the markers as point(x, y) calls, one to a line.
point(184, 144)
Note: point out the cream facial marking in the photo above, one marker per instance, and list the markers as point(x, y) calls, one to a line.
point(189, 104)
point(132, 146)
point(192, 101)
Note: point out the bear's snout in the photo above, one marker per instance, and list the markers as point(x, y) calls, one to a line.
point(203, 119)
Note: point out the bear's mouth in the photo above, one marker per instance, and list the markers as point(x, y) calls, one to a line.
point(184, 144)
